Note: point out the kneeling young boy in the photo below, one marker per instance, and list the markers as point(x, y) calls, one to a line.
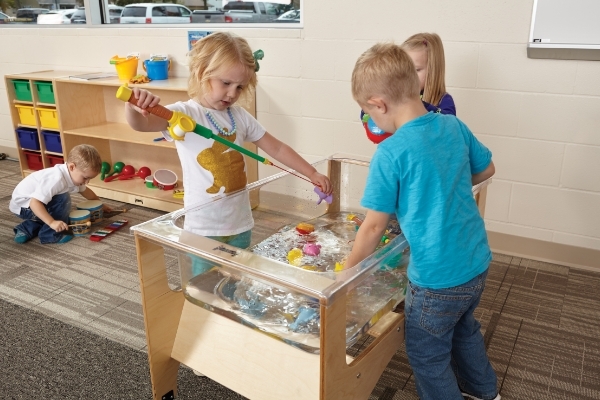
point(424, 174)
point(43, 198)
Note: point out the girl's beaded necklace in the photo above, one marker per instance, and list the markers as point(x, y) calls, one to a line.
point(219, 128)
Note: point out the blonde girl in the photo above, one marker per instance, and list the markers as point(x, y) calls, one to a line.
point(427, 52)
point(222, 69)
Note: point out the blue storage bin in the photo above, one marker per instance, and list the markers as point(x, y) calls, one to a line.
point(52, 140)
point(28, 138)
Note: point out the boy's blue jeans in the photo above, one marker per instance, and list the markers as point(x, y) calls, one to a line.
point(58, 208)
point(444, 345)
point(241, 240)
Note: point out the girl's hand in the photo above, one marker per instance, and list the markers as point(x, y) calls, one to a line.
point(106, 208)
point(322, 181)
point(145, 99)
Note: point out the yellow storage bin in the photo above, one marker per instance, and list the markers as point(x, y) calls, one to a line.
point(26, 115)
point(48, 117)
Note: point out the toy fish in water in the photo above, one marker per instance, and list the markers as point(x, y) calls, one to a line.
point(322, 196)
point(311, 249)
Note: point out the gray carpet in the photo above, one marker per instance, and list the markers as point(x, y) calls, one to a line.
point(71, 323)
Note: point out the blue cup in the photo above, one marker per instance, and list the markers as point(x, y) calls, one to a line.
point(157, 69)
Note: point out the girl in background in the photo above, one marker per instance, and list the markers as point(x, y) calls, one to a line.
point(427, 53)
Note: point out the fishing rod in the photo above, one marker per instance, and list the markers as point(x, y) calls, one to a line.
point(180, 124)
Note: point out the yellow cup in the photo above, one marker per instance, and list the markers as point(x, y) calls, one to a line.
point(126, 67)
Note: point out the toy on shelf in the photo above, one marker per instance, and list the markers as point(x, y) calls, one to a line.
point(107, 230)
point(104, 170)
point(126, 170)
point(142, 173)
point(118, 167)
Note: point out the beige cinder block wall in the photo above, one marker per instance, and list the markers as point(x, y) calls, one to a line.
point(539, 117)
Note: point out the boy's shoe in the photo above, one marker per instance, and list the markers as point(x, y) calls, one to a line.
point(21, 237)
point(65, 238)
point(198, 373)
point(471, 397)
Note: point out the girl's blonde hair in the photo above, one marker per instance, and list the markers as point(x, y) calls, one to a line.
point(85, 157)
point(215, 51)
point(384, 70)
point(435, 82)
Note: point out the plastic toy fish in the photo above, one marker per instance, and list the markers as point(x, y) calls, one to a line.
point(312, 249)
point(295, 257)
point(322, 196)
point(305, 229)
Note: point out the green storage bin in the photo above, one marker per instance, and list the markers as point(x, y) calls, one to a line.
point(45, 92)
point(22, 89)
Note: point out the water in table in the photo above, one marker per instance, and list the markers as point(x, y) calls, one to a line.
point(294, 317)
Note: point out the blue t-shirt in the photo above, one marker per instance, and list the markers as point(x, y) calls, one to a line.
point(423, 174)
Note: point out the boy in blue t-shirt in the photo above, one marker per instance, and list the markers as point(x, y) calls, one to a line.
point(424, 174)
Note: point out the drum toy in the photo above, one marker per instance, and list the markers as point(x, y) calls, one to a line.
point(95, 209)
point(77, 220)
point(150, 182)
point(165, 179)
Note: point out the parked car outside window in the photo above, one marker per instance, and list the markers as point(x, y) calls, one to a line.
point(56, 17)
point(5, 19)
point(289, 16)
point(78, 16)
point(150, 13)
point(114, 13)
point(30, 14)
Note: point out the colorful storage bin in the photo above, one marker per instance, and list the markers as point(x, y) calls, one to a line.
point(26, 114)
point(34, 160)
point(45, 92)
point(48, 117)
point(28, 138)
point(55, 160)
point(22, 89)
point(52, 140)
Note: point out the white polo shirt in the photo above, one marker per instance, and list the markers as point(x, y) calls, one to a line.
point(43, 185)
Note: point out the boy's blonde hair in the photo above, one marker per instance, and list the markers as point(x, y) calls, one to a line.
point(435, 82)
point(213, 52)
point(384, 70)
point(85, 157)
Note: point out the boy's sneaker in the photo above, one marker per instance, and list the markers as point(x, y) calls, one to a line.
point(65, 238)
point(21, 237)
point(471, 397)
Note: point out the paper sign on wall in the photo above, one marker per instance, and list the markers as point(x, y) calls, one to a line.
point(194, 36)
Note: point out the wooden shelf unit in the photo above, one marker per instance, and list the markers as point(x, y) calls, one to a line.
point(89, 113)
point(42, 76)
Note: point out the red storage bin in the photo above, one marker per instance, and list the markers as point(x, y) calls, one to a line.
point(55, 160)
point(34, 160)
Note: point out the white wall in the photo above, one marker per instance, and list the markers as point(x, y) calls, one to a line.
point(539, 117)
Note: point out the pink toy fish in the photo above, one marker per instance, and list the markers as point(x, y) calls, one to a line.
point(322, 196)
point(311, 249)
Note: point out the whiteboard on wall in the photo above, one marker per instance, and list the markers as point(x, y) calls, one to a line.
point(565, 29)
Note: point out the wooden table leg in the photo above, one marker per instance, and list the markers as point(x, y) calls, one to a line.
point(162, 310)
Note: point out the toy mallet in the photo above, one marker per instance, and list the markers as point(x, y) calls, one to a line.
point(180, 124)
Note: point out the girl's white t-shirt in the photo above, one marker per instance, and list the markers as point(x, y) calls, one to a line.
point(211, 169)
